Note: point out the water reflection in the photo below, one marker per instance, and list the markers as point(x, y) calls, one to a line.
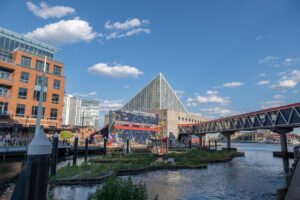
point(255, 176)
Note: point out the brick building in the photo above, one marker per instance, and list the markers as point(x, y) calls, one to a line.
point(21, 70)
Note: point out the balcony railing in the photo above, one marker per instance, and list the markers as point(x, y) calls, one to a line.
point(5, 59)
point(4, 114)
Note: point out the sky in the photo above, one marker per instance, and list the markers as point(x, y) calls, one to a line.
point(221, 57)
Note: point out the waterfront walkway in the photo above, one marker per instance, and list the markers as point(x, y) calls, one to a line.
point(294, 188)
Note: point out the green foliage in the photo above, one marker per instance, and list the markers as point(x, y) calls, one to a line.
point(81, 171)
point(118, 189)
point(66, 135)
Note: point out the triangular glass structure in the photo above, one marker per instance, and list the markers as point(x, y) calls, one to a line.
point(158, 94)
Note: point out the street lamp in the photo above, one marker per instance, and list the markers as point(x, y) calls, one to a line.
point(33, 180)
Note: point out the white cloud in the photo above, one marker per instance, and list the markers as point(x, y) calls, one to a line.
point(263, 82)
point(179, 93)
point(106, 105)
point(288, 79)
point(217, 111)
point(116, 71)
point(278, 96)
point(276, 62)
point(137, 31)
point(128, 24)
point(270, 60)
point(64, 31)
point(211, 97)
point(287, 83)
point(272, 103)
point(128, 28)
point(290, 61)
point(262, 75)
point(45, 11)
point(93, 93)
point(262, 37)
point(126, 87)
point(233, 84)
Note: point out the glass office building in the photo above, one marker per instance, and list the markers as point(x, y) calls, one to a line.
point(10, 41)
point(158, 94)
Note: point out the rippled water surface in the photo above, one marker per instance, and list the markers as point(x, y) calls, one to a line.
point(255, 176)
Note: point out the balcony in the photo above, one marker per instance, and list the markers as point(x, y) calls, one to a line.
point(4, 114)
point(6, 81)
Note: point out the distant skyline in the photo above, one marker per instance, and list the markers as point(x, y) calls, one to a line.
point(221, 57)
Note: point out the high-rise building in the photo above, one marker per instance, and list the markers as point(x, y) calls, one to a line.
point(90, 110)
point(21, 71)
point(78, 111)
point(72, 110)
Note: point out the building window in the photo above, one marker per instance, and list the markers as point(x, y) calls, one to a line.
point(38, 80)
point(55, 98)
point(178, 118)
point(36, 95)
point(3, 108)
point(25, 61)
point(57, 70)
point(4, 75)
point(22, 93)
point(20, 111)
point(3, 91)
point(34, 112)
point(39, 65)
point(24, 77)
point(53, 114)
point(56, 84)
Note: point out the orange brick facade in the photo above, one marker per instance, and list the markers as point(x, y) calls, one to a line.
point(15, 83)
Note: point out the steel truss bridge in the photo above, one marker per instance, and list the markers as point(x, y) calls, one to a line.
point(278, 118)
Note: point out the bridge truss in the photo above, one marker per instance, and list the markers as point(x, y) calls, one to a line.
point(287, 116)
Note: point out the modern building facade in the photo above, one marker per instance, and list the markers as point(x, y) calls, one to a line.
point(90, 110)
point(21, 71)
point(80, 112)
point(159, 98)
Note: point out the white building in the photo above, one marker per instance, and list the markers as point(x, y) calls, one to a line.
point(72, 110)
point(76, 109)
point(90, 110)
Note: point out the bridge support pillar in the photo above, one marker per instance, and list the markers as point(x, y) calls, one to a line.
point(228, 137)
point(200, 141)
point(284, 149)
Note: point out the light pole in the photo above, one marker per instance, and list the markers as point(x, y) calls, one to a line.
point(33, 180)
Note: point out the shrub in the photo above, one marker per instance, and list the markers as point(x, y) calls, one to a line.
point(66, 135)
point(118, 189)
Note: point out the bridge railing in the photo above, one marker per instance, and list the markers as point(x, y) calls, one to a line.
point(283, 116)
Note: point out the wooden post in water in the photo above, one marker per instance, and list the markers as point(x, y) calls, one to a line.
point(105, 146)
point(86, 149)
point(54, 155)
point(127, 146)
point(75, 150)
point(216, 145)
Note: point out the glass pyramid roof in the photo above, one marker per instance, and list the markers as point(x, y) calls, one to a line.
point(158, 94)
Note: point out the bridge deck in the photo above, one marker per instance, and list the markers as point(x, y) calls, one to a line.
point(294, 188)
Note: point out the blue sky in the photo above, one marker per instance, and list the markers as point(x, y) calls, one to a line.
point(222, 57)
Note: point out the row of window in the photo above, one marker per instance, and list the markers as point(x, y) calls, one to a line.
point(22, 94)
point(39, 65)
point(9, 45)
point(188, 119)
point(20, 111)
point(38, 80)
